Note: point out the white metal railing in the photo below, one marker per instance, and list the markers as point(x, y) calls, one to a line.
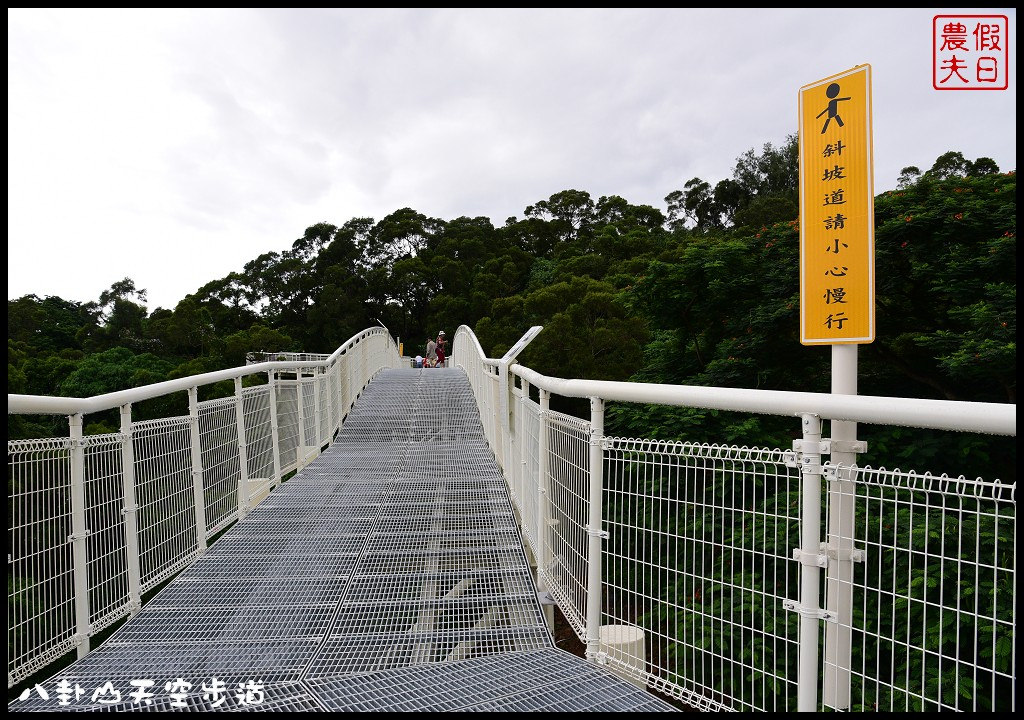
point(302, 357)
point(760, 579)
point(97, 521)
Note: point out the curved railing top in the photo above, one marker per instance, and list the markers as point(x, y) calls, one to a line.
point(988, 418)
point(48, 405)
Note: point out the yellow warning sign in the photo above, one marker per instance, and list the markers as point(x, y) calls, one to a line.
point(837, 223)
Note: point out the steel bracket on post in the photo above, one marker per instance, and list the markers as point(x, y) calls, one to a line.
point(810, 468)
point(849, 446)
point(813, 612)
point(603, 534)
point(822, 447)
point(827, 446)
point(813, 559)
point(851, 554)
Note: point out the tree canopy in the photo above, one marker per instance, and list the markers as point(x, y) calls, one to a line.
point(704, 292)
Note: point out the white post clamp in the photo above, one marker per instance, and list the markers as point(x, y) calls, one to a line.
point(809, 468)
point(851, 554)
point(818, 613)
point(827, 446)
point(813, 559)
point(791, 458)
point(849, 446)
point(822, 447)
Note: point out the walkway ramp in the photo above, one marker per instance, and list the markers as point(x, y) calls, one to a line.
point(388, 575)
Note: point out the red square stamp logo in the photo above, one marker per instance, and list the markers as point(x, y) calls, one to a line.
point(970, 52)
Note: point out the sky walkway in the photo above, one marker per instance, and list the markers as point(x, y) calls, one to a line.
point(387, 575)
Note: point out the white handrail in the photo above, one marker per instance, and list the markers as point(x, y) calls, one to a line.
point(989, 418)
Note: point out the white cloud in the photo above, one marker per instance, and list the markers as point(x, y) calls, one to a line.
point(173, 146)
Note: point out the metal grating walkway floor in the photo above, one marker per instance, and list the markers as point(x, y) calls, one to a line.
point(388, 575)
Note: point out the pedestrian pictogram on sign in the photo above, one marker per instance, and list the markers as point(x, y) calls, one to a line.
point(837, 253)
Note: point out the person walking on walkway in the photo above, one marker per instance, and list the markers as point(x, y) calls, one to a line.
point(431, 356)
point(440, 348)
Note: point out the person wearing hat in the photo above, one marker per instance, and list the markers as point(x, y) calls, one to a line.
point(440, 348)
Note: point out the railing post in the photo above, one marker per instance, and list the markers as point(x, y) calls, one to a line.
point(79, 535)
point(274, 442)
point(243, 455)
point(301, 395)
point(543, 523)
point(339, 408)
point(504, 415)
point(318, 415)
point(198, 493)
point(595, 531)
point(842, 493)
point(811, 563)
point(131, 521)
point(363, 362)
point(524, 467)
point(499, 439)
point(346, 380)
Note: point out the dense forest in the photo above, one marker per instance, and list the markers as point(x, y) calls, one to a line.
point(705, 293)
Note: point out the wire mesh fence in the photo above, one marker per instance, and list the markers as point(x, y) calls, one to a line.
point(288, 427)
point(222, 472)
point(40, 592)
point(699, 554)
point(259, 437)
point(308, 437)
point(931, 591)
point(134, 526)
point(166, 515)
point(104, 520)
point(568, 512)
point(706, 553)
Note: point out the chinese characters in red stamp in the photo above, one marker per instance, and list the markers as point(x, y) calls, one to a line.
point(970, 52)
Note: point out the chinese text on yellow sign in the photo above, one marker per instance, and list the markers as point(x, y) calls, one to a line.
point(837, 228)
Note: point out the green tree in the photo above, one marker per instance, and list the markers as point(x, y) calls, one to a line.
point(258, 338)
point(952, 164)
point(908, 176)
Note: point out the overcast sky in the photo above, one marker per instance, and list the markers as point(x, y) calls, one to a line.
point(173, 146)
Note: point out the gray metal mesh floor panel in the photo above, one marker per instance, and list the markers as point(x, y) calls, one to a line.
point(543, 679)
point(389, 574)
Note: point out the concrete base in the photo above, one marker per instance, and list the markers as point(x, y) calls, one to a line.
point(626, 646)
